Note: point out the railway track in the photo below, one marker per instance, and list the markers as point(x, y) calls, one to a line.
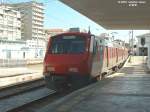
point(12, 90)
point(15, 96)
point(39, 103)
point(29, 97)
point(29, 94)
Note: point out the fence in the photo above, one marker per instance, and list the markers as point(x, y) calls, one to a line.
point(12, 63)
point(19, 63)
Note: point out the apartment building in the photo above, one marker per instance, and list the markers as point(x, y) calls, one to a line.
point(10, 24)
point(32, 19)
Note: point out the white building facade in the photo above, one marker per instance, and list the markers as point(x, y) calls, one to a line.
point(35, 49)
point(144, 50)
point(11, 49)
point(20, 53)
point(10, 24)
point(32, 19)
point(22, 36)
point(21, 50)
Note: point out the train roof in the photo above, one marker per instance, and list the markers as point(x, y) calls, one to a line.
point(102, 40)
point(73, 33)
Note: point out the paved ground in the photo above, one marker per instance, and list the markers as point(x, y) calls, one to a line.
point(9, 72)
point(29, 69)
point(125, 91)
point(21, 99)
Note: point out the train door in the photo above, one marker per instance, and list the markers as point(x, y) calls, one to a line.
point(95, 56)
point(120, 56)
point(104, 57)
point(116, 55)
point(101, 53)
point(91, 44)
point(122, 53)
point(110, 57)
point(107, 55)
point(113, 57)
point(101, 61)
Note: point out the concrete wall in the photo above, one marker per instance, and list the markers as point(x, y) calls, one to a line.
point(22, 51)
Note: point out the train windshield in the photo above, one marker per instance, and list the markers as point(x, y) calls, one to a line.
point(67, 45)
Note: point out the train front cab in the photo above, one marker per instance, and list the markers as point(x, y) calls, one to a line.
point(69, 68)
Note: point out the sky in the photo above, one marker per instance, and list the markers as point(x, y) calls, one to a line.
point(58, 15)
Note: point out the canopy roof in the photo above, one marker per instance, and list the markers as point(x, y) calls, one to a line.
point(115, 14)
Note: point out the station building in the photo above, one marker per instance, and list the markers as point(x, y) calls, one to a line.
point(142, 50)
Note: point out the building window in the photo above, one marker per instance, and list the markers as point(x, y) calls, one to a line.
point(10, 22)
point(18, 19)
point(24, 55)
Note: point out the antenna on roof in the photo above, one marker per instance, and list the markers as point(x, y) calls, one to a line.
point(89, 31)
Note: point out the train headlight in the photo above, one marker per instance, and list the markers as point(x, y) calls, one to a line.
point(73, 69)
point(50, 69)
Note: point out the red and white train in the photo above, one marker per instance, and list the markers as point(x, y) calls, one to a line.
point(76, 58)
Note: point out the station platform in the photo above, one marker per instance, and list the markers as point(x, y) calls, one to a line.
point(10, 72)
point(128, 90)
point(17, 75)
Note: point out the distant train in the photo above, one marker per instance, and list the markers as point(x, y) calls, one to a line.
point(75, 59)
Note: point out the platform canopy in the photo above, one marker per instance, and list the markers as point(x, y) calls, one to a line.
point(115, 14)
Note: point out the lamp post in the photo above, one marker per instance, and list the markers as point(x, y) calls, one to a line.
point(131, 43)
